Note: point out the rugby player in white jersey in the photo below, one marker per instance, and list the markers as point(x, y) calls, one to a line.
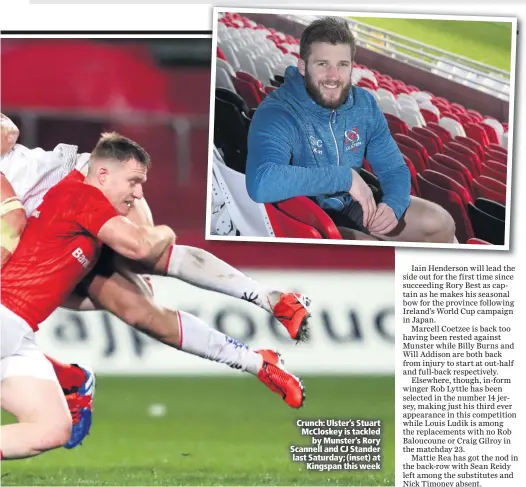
point(27, 175)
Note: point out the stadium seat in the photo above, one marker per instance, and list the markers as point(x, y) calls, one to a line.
point(488, 169)
point(477, 241)
point(234, 98)
point(248, 91)
point(285, 226)
point(464, 159)
point(414, 155)
point(223, 79)
point(497, 156)
point(250, 218)
point(307, 211)
point(222, 63)
point(476, 132)
point(486, 227)
point(412, 117)
point(415, 191)
point(496, 210)
point(390, 106)
point(396, 125)
point(454, 127)
point(444, 181)
point(491, 132)
point(429, 116)
point(453, 163)
point(428, 143)
point(498, 148)
point(444, 134)
point(470, 154)
point(230, 134)
point(471, 144)
point(484, 187)
point(455, 174)
point(452, 203)
point(430, 135)
point(413, 143)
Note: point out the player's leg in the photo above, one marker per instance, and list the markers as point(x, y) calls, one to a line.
point(202, 269)
point(29, 391)
point(424, 221)
point(190, 334)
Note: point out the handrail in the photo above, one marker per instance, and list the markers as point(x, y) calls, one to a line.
point(429, 58)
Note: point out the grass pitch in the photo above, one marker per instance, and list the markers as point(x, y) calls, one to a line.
point(216, 431)
point(486, 42)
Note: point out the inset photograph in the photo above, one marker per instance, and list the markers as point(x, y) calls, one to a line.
point(372, 130)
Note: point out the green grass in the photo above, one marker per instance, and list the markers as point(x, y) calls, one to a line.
point(486, 42)
point(217, 431)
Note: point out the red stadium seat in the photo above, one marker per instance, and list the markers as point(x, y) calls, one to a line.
point(453, 163)
point(467, 152)
point(455, 174)
point(413, 143)
point(497, 156)
point(498, 148)
point(415, 190)
point(444, 135)
point(429, 116)
point(427, 142)
point(491, 172)
point(450, 184)
point(452, 203)
point(471, 144)
point(248, 92)
point(477, 241)
point(396, 125)
point(475, 131)
point(285, 226)
point(432, 136)
point(469, 163)
point(484, 187)
point(414, 156)
point(307, 211)
point(493, 137)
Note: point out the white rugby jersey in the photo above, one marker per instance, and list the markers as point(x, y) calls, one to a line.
point(33, 172)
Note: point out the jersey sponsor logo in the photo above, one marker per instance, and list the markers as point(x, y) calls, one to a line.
point(82, 259)
point(352, 139)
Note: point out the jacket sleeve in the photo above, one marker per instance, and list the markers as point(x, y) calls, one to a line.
point(388, 164)
point(269, 175)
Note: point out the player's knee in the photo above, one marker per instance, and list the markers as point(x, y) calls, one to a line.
point(137, 312)
point(438, 225)
point(54, 434)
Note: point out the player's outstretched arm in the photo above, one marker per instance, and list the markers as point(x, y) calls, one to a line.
point(136, 242)
point(12, 218)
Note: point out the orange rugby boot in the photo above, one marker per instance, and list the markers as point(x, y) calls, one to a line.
point(292, 311)
point(278, 380)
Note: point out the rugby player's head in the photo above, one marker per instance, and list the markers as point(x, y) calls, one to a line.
point(327, 49)
point(118, 167)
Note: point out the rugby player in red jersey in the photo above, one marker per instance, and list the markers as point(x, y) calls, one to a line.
point(58, 249)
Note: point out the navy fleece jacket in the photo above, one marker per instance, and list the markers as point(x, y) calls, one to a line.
point(298, 148)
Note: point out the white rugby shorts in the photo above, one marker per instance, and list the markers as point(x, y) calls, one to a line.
point(20, 353)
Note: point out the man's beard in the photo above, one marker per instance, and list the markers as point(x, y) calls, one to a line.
point(317, 95)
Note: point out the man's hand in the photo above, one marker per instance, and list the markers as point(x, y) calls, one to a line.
point(361, 192)
point(383, 221)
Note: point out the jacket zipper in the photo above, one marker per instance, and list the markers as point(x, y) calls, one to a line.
point(333, 136)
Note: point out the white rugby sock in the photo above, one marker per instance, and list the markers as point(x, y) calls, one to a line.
point(201, 268)
point(197, 338)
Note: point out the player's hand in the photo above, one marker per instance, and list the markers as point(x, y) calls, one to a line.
point(384, 220)
point(361, 192)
